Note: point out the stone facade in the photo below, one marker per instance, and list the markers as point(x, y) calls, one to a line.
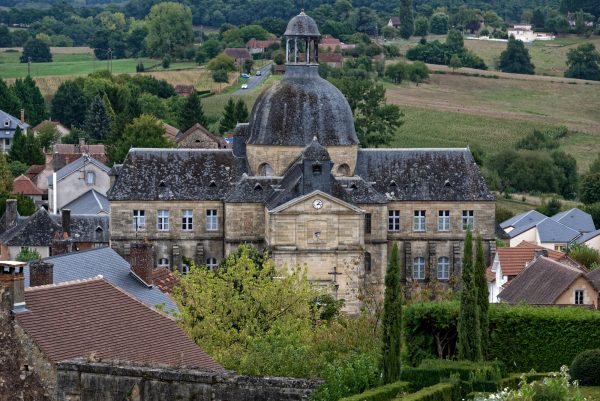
point(82, 381)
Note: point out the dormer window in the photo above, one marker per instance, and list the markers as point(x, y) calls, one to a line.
point(7, 123)
point(393, 184)
point(258, 187)
point(316, 168)
point(212, 184)
point(161, 184)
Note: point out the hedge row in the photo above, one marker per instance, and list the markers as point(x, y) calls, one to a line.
point(513, 380)
point(439, 392)
point(522, 337)
point(383, 393)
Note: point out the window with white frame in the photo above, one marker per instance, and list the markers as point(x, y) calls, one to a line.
point(468, 220)
point(394, 220)
point(90, 178)
point(187, 219)
point(162, 220)
point(212, 222)
point(211, 263)
point(139, 220)
point(443, 268)
point(7, 123)
point(579, 297)
point(163, 262)
point(419, 220)
point(444, 220)
point(419, 268)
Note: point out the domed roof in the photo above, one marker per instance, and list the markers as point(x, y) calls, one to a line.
point(316, 152)
point(298, 108)
point(302, 25)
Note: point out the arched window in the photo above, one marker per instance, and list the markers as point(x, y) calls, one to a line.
point(265, 169)
point(343, 170)
point(419, 268)
point(211, 263)
point(443, 268)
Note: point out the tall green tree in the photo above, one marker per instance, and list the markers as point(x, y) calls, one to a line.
point(9, 102)
point(583, 62)
point(6, 178)
point(439, 23)
point(98, 121)
point(589, 188)
point(229, 118)
point(392, 319)
point(241, 111)
point(191, 112)
point(69, 105)
point(516, 58)
point(421, 26)
point(405, 12)
point(37, 51)
point(469, 329)
point(31, 100)
point(169, 27)
point(143, 132)
point(26, 148)
point(482, 294)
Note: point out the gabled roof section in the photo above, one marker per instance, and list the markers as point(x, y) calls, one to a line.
point(174, 174)
point(541, 283)
point(12, 121)
point(423, 174)
point(75, 166)
point(588, 236)
point(170, 131)
point(23, 185)
point(523, 219)
point(91, 202)
point(576, 219)
point(108, 263)
point(551, 231)
point(198, 127)
point(316, 193)
point(76, 319)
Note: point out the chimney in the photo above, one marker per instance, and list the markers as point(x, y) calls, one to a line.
point(40, 273)
point(10, 213)
point(11, 278)
point(81, 145)
point(60, 246)
point(540, 252)
point(141, 257)
point(22, 116)
point(66, 221)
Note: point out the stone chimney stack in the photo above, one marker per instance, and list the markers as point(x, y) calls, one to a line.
point(11, 213)
point(141, 257)
point(40, 273)
point(22, 116)
point(11, 278)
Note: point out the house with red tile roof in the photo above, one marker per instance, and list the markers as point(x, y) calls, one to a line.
point(508, 263)
point(184, 90)
point(255, 46)
point(238, 54)
point(24, 186)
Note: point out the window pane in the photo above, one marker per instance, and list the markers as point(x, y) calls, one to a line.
point(187, 219)
point(419, 268)
point(394, 220)
point(443, 268)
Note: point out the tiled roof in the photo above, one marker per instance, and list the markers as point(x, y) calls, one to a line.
point(164, 279)
point(238, 52)
point(76, 165)
point(92, 317)
point(261, 44)
point(513, 260)
point(523, 219)
point(423, 174)
point(576, 219)
point(23, 185)
point(67, 148)
point(90, 202)
point(50, 123)
point(588, 236)
point(108, 263)
point(331, 57)
point(170, 131)
point(541, 283)
point(199, 127)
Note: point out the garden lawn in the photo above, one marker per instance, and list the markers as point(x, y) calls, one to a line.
point(591, 393)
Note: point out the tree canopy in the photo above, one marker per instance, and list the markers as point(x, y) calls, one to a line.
point(143, 132)
point(583, 62)
point(169, 26)
point(516, 58)
point(37, 51)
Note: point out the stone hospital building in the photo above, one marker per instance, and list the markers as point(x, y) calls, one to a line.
point(298, 184)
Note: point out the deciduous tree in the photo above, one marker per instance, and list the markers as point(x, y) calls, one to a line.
point(69, 104)
point(26, 148)
point(516, 58)
point(169, 26)
point(439, 24)
point(583, 62)
point(405, 12)
point(392, 319)
point(143, 132)
point(421, 26)
point(589, 188)
point(36, 50)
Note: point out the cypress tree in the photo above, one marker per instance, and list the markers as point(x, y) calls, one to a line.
point(469, 330)
point(407, 25)
point(191, 112)
point(392, 319)
point(9, 102)
point(482, 294)
point(241, 112)
point(98, 121)
point(229, 118)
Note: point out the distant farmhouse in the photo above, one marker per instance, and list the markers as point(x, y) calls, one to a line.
point(525, 33)
point(394, 22)
point(255, 46)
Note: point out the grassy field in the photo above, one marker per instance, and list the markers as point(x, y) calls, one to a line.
point(549, 58)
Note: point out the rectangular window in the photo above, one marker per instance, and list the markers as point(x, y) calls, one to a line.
point(162, 220)
point(163, 262)
point(367, 262)
point(368, 223)
point(90, 178)
point(7, 123)
point(419, 268)
point(444, 220)
point(139, 220)
point(419, 220)
point(443, 268)
point(7, 142)
point(578, 297)
point(394, 220)
point(187, 220)
point(468, 220)
point(212, 222)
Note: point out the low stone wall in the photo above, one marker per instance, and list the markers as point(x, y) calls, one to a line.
point(78, 380)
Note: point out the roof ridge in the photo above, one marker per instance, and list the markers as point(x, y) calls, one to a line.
point(66, 283)
point(163, 314)
point(64, 255)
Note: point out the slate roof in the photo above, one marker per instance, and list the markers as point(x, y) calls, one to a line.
point(588, 236)
point(302, 25)
point(108, 263)
point(75, 166)
point(39, 229)
point(12, 121)
point(549, 231)
point(541, 283)
point(576, 219)
point(175, 174)
point(91, 202)
point(315, 151)
point(77, 319)
point(395, 20)
point(523, 219)
point(423, 174)
point(313, 106)
point(23, 185)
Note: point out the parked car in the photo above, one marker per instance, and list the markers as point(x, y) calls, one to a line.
point(244, 86)
point(258, 73)
point(245, 76)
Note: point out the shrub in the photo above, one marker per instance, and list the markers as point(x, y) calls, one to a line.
point(586, 368)
point(439, 392)
point(382, 393)
point(166, 62)
point(589, 257)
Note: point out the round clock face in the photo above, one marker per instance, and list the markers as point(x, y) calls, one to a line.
point(317, 203)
